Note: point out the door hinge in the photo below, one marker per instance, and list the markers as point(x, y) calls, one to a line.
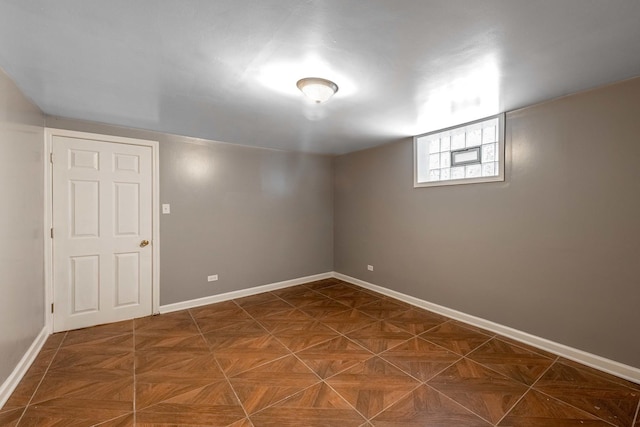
point(52, 307)
point(51, 157)
point(52, 233)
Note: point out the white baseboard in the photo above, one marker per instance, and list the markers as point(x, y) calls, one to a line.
point(603, 364)
point(241, 293)
point(23, 366)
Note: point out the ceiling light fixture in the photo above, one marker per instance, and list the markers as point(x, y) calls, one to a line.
point(317, 89)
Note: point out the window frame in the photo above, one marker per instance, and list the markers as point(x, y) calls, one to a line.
point(501, 155)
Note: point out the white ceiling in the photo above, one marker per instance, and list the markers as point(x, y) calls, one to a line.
point(226, 69)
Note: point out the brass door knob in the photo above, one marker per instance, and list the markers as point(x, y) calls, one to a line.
point(144, 243)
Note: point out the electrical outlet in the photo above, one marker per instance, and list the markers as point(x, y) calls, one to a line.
point(370, 267)
point(212, 278)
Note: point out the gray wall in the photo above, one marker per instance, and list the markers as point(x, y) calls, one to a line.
point(253, 216)
point(553, 251)
point(21, 224)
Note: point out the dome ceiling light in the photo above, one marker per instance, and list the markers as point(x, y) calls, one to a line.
point(317, 89)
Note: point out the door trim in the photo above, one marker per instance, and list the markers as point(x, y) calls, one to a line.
point(49, 133)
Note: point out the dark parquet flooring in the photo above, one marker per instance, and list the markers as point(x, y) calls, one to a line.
point(326, 353)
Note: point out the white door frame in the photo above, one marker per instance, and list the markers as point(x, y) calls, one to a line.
point(49, 133)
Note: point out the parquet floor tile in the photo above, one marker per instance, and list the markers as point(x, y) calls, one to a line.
point(234, 363)
point(301, 296)
point(372, 386)
point(324, 283)
point(171, 324)
point(379, 336)
point(600, 374)
point(256, 299)
point(171, 342)
point(473, 328)
point(89, 358)
point(265, 385)
point(123, 421)
point(183, 362)
point(242, 423)
point(282, 320)
point(324, 307)
point(10, 418)
point(526, 347)
point(244, 354)
point(292, 291)
point(122, 342)
point(212, 319)
point(456, 338)
point(537, 409)
point(417, 321)
point(117, 335)
point(384, 309)
point(261, 343)
point(212, 405)
point(157, 388)
point(356, 300)
point(325, 353)
point(304, 301)
point(54, 340)
point(265, 309)
point(514, 362)
point(378, 294)
point(29, 383)
point(224, 337)
point(101, 384)
point(420, 358)
point(608, 400)
point(74, 412)
point(334, 356)
point(218, 309)
point(483, 391)
point(427, 407)
point(43, 360)
point(403, 303)
point(163, 375)
point(318, 405)
point(24, 391)
point(112, 329)
point(301, 335)
point(339, 290)
point(347, 321)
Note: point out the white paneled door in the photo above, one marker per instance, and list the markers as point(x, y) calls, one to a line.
point(102, 232)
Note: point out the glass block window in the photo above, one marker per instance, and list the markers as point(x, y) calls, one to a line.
point(465, 154)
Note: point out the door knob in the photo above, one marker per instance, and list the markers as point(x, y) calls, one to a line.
point(144, 243)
